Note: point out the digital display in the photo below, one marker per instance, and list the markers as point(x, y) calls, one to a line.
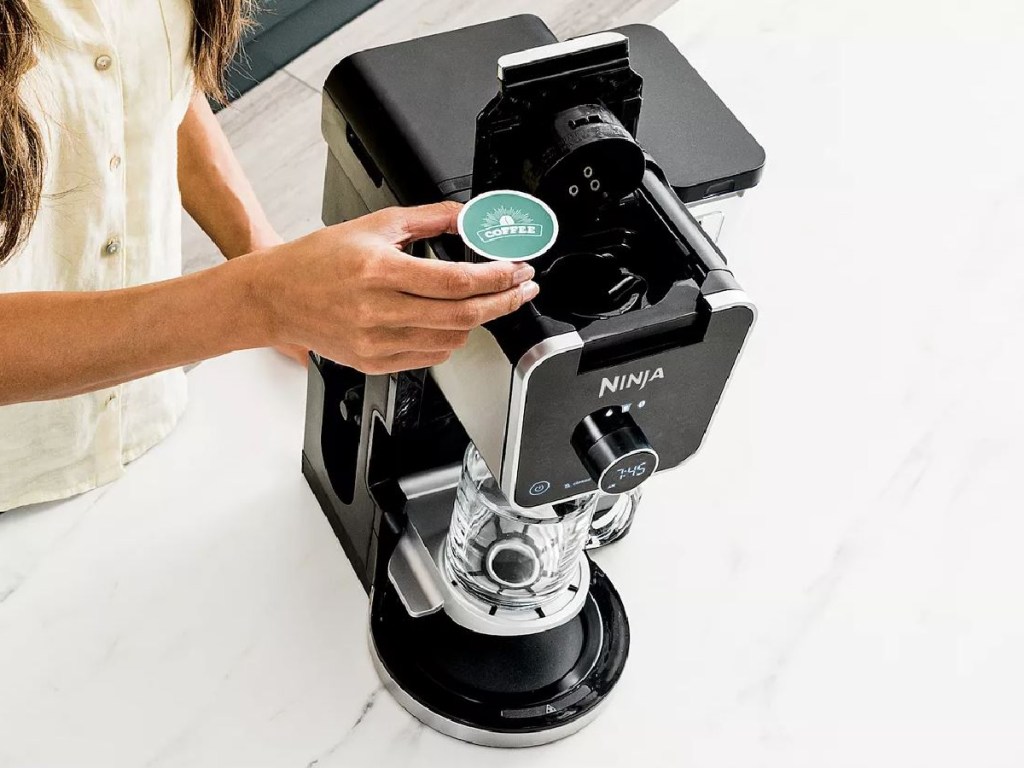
point(635, 471)
point(629, 472)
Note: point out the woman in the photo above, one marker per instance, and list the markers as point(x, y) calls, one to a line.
point(105, 133)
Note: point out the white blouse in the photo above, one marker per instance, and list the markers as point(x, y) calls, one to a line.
point(111, 86)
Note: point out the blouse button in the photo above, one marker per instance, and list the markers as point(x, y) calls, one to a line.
point(115, 162)
point(103, 63)
point(113, 247)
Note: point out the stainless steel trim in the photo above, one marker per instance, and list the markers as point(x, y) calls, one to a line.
point(477, 382)
point(412, 572)
point(463, 732)
point(374, 414)
point(528, 363)
point(734, 297)
point(392, 392)
point(420, 484)
point(556, 49)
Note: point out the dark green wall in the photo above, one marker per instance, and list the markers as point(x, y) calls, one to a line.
point(285, 29)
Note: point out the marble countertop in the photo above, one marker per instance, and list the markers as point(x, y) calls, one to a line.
point(835, 580)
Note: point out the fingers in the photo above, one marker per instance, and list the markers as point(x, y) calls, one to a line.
point(406, 361)
point(393, 341)
point(295, 352)
point(430, 277)
point(405, 225)
point(454, 280)
point(463, 315)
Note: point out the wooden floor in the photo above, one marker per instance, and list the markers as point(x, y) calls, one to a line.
point(275, 128)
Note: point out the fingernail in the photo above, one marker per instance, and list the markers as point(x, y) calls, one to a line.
point(530, 290)
point(522, 274)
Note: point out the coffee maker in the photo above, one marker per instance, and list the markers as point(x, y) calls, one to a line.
point(465, 495)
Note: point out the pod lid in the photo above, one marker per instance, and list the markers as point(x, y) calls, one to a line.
point(506, 225)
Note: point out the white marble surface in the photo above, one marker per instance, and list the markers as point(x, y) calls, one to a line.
point(836, 580)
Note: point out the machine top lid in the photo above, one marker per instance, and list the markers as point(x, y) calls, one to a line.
point(413, 106)
point(695, 138)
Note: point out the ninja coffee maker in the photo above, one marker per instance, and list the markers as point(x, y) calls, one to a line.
point(465, 495)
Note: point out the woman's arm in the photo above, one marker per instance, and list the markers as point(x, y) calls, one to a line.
point(63, 343)
point(347, 291)
point(214, 188)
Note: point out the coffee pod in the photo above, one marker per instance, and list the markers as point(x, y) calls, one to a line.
point(506, 225)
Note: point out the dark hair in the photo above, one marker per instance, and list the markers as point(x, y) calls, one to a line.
point(216, 33)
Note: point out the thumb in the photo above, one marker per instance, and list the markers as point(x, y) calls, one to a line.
point(425, 221)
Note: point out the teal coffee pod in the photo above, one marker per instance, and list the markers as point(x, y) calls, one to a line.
point(505, 225)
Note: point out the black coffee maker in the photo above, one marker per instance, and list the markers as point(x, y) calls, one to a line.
point(465, 495)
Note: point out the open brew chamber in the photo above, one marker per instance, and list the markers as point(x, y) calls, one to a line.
point(465, 496)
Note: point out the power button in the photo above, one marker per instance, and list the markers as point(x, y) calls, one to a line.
point(540, 488)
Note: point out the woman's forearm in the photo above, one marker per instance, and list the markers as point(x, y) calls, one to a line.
point(214, 188)
point(64, 343)
point(348, 291)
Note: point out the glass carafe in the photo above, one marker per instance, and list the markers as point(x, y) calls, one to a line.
point(613, 517)
point(509, 557)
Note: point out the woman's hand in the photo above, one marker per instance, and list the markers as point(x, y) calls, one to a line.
point(260, 240)
point(350, 292)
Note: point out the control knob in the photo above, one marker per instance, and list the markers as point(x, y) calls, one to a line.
point(614, 450)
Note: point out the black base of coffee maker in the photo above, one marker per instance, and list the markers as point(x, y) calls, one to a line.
point(513, 691)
